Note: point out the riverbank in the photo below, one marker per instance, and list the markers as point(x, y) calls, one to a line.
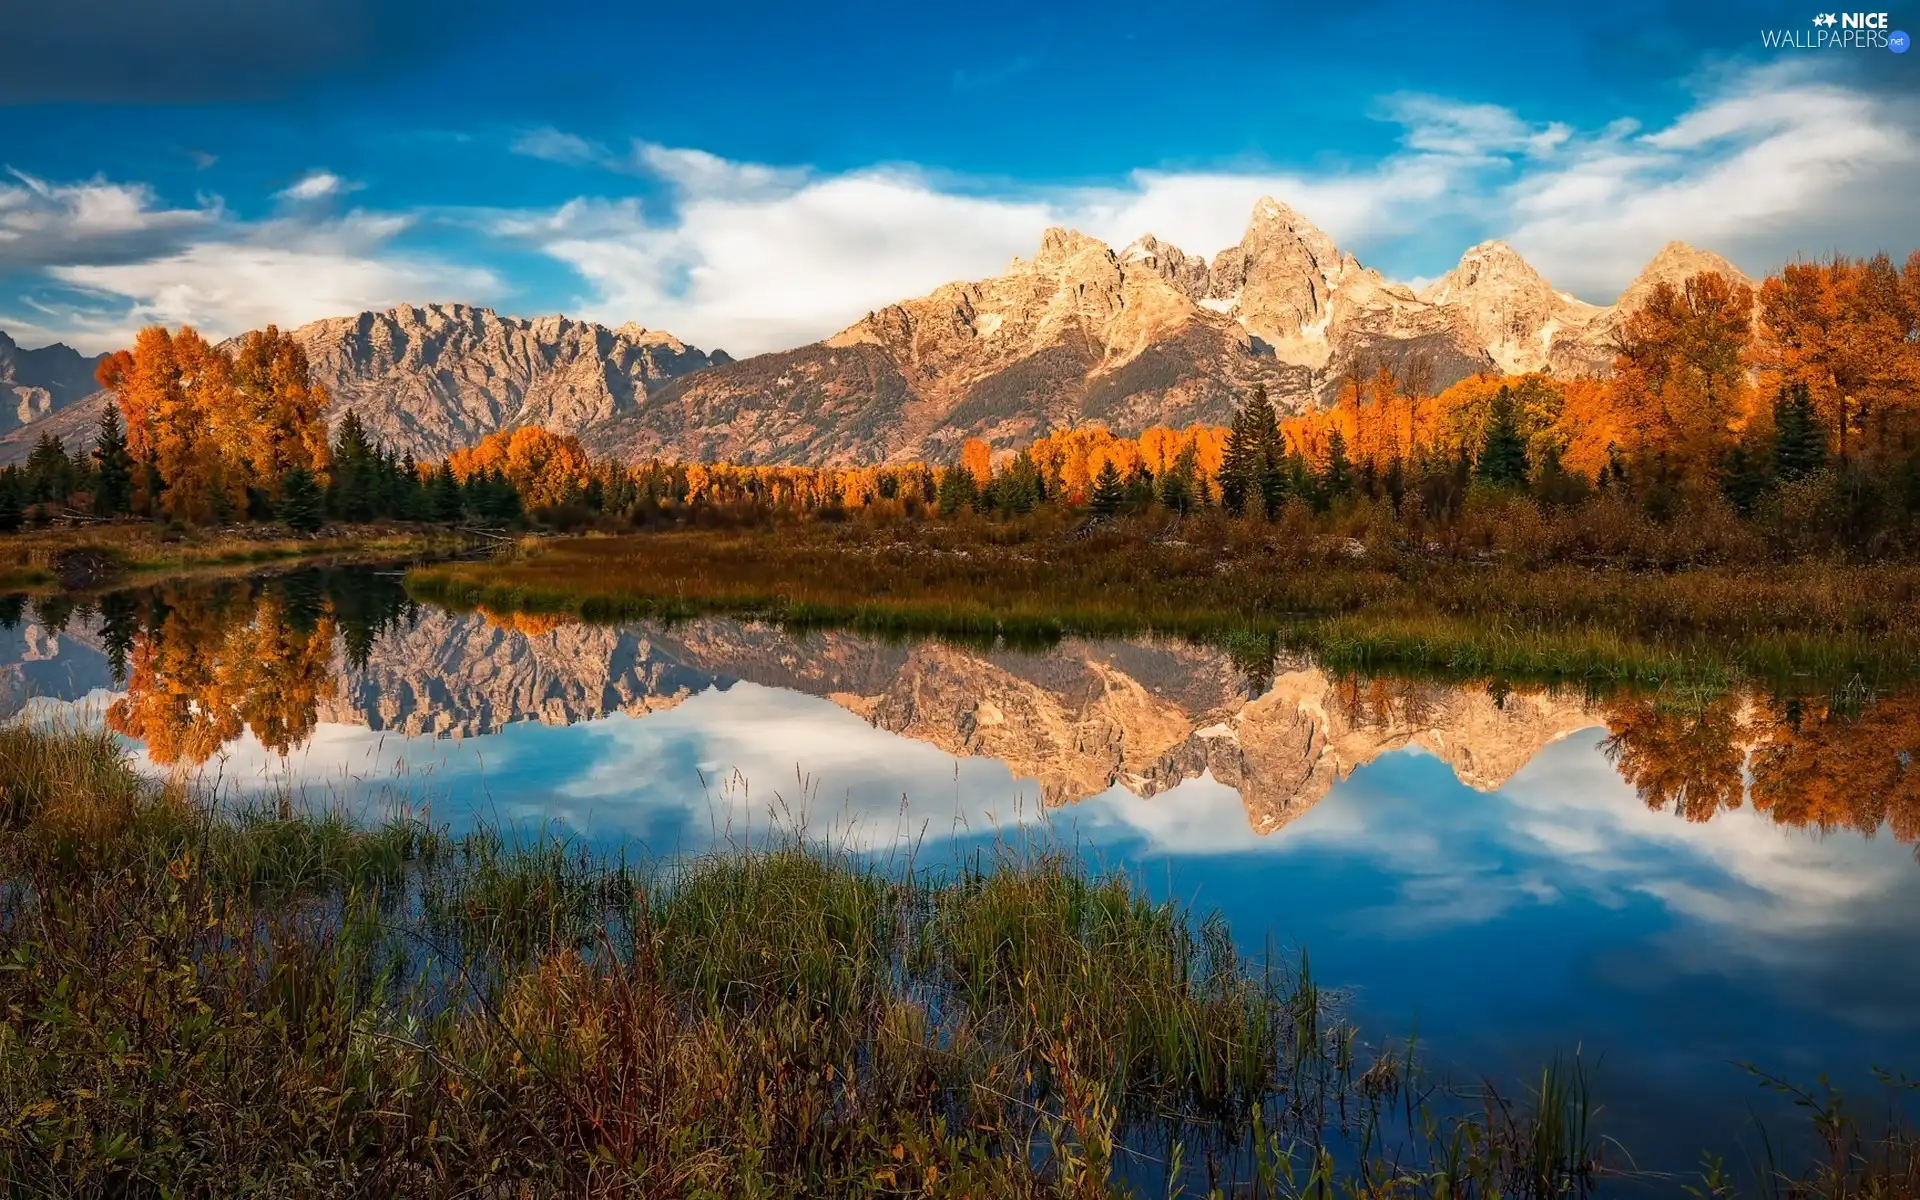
point(1355, 606)
point(122, 554)
point(203, 1003)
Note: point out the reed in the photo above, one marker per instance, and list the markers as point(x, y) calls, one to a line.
point(280, 1001)
point(1217, 580)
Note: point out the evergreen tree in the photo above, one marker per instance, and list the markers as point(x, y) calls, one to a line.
point(302, 506)
point(113, 470)
point(12, 511)
point(1017, 488)
point(407, 499)
point(958, 490)
point(1395, 482)
point(1336, 480)
point(444, 501)
point(355, 471)
point(50, 473)
point(1109, 491)
point(1503, 456)
point(1742, 481)
point(1251, 464)
point(1799, 440)
point(1177, 482)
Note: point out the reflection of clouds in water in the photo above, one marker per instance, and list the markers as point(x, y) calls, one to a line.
point(751, 755)
point(1565, 829)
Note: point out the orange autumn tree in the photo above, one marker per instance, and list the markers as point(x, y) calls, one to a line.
point(176, 394)
point(1680, 382)
point(546, 468)
point(206, 426)
point(1849, 330)
point(282, 413)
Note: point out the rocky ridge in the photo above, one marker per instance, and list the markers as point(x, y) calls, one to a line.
point(1078, 333)
point(37, 384)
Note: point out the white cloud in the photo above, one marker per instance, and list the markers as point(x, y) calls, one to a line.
point(316, 185)
point(553, 145)
point(284, 272)
point(1779, 165)
point(43, 223)
point(1766, 166)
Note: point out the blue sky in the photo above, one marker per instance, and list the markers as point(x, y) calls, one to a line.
point(753, 176)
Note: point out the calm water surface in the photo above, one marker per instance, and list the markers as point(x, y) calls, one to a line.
point(1674, 884)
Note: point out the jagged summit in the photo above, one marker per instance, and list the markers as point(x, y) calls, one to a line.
point(1150, 334)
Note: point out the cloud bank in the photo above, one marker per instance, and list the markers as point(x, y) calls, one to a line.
point(1767, 164)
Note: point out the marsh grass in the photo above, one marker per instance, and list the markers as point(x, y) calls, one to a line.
point(131, 552)
point(1215, 581)
point(273, 1001)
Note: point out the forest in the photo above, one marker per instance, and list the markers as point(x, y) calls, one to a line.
point(1786, 420)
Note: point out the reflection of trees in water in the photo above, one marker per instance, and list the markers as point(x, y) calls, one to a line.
point(1824, 763)
point(203, 662)
point(1680, 753)
point(1814, 763)
point(1828, 767)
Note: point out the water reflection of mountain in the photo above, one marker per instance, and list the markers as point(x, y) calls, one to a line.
point(202, 664)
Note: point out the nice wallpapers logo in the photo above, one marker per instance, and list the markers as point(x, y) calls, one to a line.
point(1840, 31)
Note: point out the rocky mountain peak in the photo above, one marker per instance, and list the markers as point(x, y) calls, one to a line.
point(1676, 263)
point(36, 384)
point(1063, 249)
point(1500, 302)
point(1186, 272)
point(1279, 280)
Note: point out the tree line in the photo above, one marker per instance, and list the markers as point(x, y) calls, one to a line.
point(1797, 402)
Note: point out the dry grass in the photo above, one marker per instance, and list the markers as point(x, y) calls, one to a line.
point(1216, 579)
point(95, 556)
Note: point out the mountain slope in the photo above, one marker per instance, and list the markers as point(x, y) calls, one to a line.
point(1075, 333)
point(1078, 333)
point(37, 384)
point(440, 377)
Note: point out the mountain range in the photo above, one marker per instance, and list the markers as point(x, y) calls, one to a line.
point(1079, 332)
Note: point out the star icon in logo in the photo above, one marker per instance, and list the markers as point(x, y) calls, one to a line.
point(1827, 19)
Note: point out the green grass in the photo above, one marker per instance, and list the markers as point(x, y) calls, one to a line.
point(1223, 582)
point(275, 1002)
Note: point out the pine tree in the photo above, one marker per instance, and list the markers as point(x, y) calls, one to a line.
point(113, 484)
point(302, 507)
point(1251, 464)
point(1017, 488)
point(444, 501)
point(1503, 456)
point(1336, 480)
point(355, 471)
point(50, 474)
point(1799, 440)
point(1741, 479)
point(12, 511)
point(957, 491)
point(1109, 491)
point(1177, 483)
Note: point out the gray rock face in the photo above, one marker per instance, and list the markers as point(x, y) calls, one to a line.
point(37, 384)
point(441, 377)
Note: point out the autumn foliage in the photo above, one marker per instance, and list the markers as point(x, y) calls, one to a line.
point(208, 426)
